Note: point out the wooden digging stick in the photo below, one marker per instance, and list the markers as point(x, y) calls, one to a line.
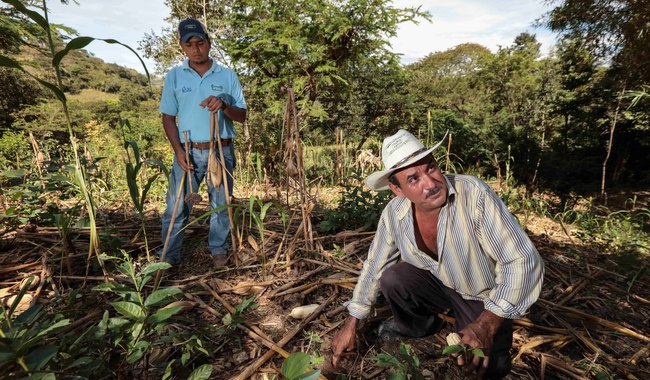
point(169, 230)
point(215, 118)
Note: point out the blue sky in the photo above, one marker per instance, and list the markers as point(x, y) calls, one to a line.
point(491, 23)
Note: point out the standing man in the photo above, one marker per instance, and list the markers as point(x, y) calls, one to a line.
point(191, 92)
point(444, 242)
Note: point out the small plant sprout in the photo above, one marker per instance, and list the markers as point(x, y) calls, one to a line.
point(296, 367)
point(454, 346)
point(402, 367)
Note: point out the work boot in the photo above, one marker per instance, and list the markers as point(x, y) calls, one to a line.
point(219, 261)
point(389, 331)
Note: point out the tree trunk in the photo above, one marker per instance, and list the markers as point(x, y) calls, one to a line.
point(612, 128)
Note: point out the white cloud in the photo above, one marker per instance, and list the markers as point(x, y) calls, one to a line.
point(489, 23)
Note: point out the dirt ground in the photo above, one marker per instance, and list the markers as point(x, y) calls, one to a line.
point(592, 320)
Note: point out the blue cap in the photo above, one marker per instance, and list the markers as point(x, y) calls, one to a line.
point(189, 28)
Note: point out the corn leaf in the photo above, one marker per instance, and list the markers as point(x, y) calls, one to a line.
point(82, 42)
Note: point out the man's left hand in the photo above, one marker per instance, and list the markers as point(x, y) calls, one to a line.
point(479, 334)
point(213, 103)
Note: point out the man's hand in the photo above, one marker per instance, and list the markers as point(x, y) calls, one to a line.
point(344, 339)
point(479, 334)
point(180, 159)
point(213, 103)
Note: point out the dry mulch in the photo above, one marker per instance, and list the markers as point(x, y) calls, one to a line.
point(592, 317)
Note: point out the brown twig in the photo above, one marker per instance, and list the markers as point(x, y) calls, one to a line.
point(246, 373)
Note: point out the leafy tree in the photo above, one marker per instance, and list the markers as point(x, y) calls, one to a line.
point(332, 53)
point(616, 34)
point(448, 93)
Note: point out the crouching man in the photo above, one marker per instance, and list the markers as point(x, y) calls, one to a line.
point(446, 241)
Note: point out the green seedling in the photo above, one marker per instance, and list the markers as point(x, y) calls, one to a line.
point(402, 367)
point(454, 346)
point(296, 367)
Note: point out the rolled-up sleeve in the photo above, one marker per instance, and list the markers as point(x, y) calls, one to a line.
point(382, 252)
point(519, 267)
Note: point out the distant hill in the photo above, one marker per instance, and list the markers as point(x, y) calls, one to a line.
point(85, 79)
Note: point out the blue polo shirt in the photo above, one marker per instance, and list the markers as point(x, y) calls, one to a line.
point(184, 89)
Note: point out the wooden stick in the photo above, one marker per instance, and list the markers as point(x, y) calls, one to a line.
point(169, 229)
point(602, 322)
point(250, 370)
point(235, 255)
point(251, 330)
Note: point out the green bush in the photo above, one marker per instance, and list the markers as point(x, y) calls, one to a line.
point(358, 207)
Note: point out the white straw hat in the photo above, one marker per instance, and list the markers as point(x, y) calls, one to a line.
point(398, 151)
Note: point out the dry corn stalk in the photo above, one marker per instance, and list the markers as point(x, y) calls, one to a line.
point(215, 172)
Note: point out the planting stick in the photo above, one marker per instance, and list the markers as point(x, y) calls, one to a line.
point(215, 117)
point(192, 197)
point(169, 229)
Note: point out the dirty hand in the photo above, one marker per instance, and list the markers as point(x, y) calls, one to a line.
point(478, 334)
point(344, 340)
point(213, 103)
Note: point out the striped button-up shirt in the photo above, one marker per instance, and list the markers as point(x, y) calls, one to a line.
point(483, 253)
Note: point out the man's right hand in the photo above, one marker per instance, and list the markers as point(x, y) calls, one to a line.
point(180, 159)
point(344, 339)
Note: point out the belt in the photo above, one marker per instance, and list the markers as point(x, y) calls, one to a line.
point(206, 145)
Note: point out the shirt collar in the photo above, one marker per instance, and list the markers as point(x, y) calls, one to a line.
point(214, 69)
point(404, 205)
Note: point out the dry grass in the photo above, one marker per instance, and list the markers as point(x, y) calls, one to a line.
point(586, 322)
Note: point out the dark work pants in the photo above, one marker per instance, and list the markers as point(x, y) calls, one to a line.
point(415, 295)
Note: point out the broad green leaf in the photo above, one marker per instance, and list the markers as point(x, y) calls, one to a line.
point(39, 357)
point(295, 365)
point(138, 351)
point(42, 376)
point(13, 173)
point(80, 362)
point(454, 348)
point(227, 319)
point(134, 145)
point(117, 323)
point(478, 352)
point(6, 355)
point(201, 373)
point(58, 325)
point(151, 268)
point(386, 360)
point(129, 309)
point(168, 371)
point(161, 295)
point(397, 375)
point(30, 315)
point(185, 358)
point(165, 313)
point(136, 329)
point(311, 375)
